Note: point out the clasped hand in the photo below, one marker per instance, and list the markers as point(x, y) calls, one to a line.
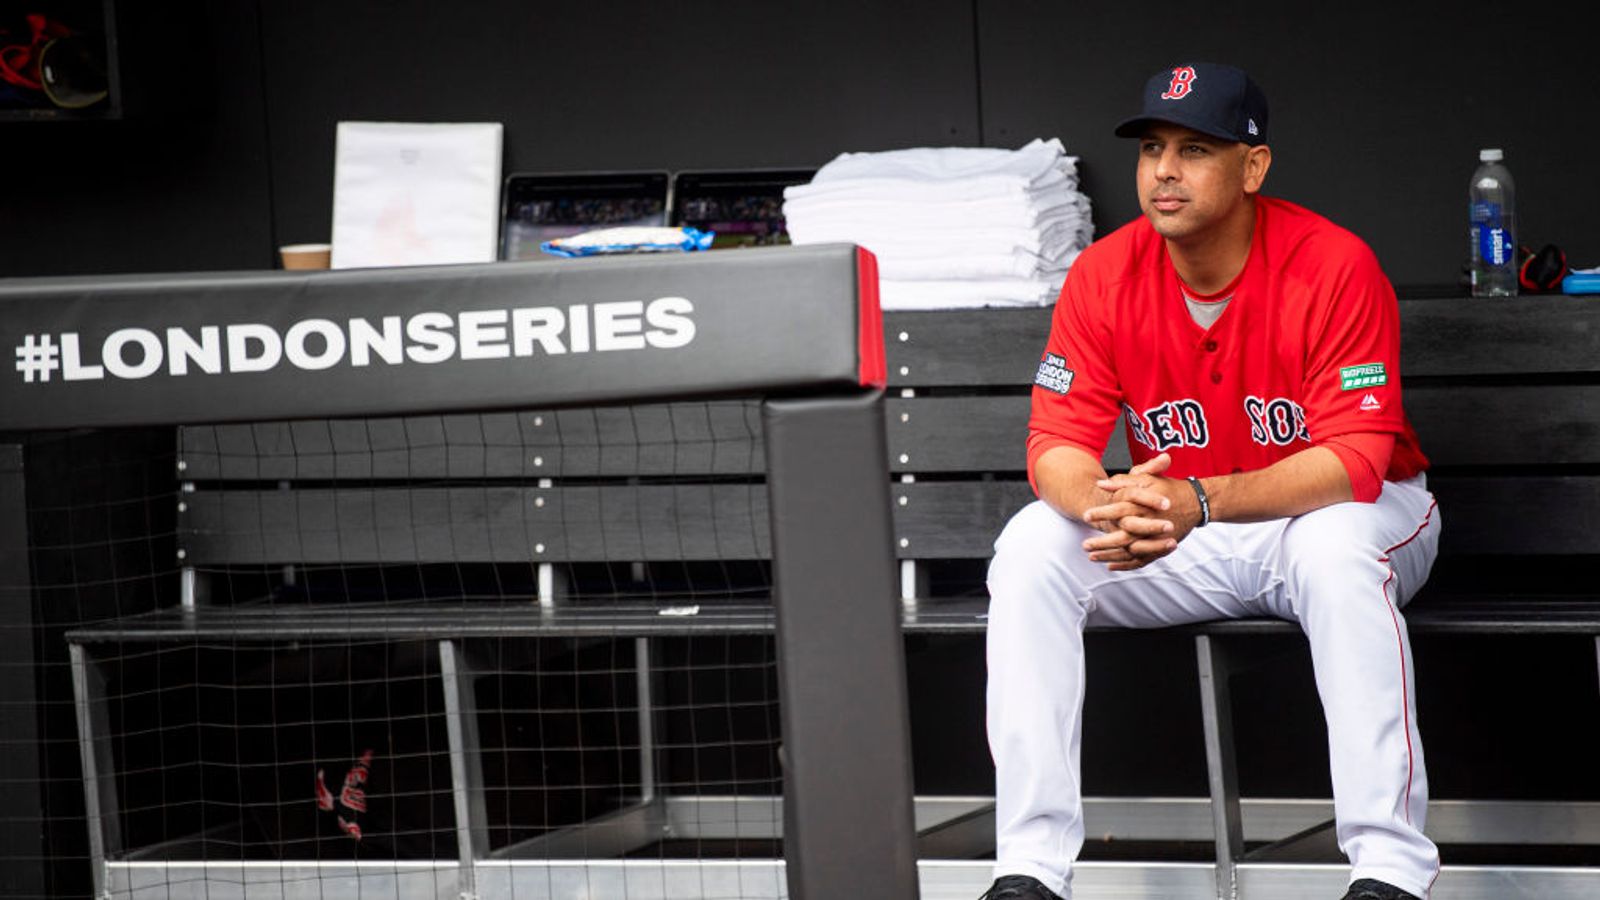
point(1145, 518)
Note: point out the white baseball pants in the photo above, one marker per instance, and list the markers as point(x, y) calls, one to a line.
point(1341, 572)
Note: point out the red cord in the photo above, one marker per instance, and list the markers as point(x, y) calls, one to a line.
point(19, 63)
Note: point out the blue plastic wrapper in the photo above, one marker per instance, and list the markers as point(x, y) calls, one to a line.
point(1581, 283)
point(629, 240)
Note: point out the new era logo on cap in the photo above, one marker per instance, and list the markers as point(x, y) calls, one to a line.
point(1212, 99)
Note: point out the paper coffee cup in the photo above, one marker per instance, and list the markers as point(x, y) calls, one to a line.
point(306, 256)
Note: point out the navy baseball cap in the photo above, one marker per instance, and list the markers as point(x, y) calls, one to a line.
point(1212, 99)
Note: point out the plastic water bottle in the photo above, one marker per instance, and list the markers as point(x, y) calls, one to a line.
point(1492, 202)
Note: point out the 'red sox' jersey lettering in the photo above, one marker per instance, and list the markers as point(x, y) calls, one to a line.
point(1178, 423)
point(1280, 421)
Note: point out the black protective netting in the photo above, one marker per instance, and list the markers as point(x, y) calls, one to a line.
point(278, 626)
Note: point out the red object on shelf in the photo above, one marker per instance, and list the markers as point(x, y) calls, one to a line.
point(19, 63)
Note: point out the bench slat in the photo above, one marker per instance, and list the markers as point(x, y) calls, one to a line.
point(955, 519)
point(1454, 337)
point(432, 620)
point(1460, 425)
point(485, 524)
point(957, 434)
point(720, 438)
point(968, 434)
point(1550, 334)
point(960, 520)
point(965, 348)
point(1506, 425)
point(933, 519)
point(1501, 515)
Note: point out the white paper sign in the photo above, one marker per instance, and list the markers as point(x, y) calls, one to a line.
point(407, 194)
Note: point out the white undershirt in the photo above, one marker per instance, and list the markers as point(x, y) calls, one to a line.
point(1205, 312)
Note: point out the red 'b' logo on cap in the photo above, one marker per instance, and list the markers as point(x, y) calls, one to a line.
point(1182, 83)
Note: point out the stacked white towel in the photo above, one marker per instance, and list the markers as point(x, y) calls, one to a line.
point(952, 226)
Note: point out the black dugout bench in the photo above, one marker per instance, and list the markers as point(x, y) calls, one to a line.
point(1503, 393)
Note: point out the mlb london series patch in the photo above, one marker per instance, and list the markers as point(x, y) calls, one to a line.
point(1362, 376)
point(1054, 375)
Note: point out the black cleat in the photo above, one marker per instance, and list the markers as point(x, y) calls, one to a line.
point(1019, 887)
point(1373, 889)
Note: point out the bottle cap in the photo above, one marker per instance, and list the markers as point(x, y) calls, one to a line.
point(1490, 155)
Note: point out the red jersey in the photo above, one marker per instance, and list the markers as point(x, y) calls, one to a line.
point(1307, 349)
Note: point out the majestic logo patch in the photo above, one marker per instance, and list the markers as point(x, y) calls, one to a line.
point(1362, 376)
point(1053, 374)
point(1280, 421)
point(1182, 83)
point(1370, 403)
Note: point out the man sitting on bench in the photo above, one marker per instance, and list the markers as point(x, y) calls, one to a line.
point(1251, 348)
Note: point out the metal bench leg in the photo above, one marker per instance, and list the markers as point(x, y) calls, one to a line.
point(191, 587)
point(289, 572)
point(552, 581)
point(648, 788)
point(466, 764)
point(913, 581)
point(1221, 769)
point(913, 574)
point(94, 749)
point(551, 586)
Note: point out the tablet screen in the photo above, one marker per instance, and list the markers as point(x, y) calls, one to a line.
point(543, 207)
point(743, 208)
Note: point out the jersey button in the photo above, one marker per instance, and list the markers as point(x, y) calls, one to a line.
point(1216, 377)
point(1211, 346)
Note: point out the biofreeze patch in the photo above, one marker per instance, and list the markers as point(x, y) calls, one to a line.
point(1363, 376)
